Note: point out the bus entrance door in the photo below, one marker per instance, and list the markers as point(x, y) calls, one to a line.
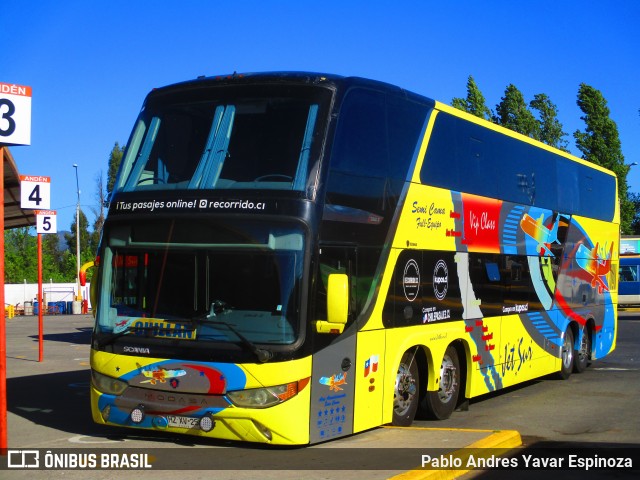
point(333, 382)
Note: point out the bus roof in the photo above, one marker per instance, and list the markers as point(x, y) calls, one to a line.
point(311, 78)
point(338, 81)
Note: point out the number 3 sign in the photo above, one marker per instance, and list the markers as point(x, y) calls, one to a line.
point(35, 192)
point(15, 114)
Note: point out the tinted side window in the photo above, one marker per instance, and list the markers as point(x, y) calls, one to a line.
point(361, 140)
point(466, 157)
point(628, 273)
point(377, 134)
point(376, 139)
point(503, 284)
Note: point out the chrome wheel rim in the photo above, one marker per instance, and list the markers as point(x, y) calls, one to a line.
point(405, 390)
point(448, 380)
point(567, 352)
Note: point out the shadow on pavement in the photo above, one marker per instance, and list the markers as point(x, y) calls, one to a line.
point(81, 336)
point(55, 400)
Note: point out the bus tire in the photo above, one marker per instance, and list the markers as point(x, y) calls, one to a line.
point(406, 391)
point(440, 404)
point(582, 356)
point(566, 355)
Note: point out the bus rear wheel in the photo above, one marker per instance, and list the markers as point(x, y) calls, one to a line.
point(582, 356)
point(440, 404)
point(567, 355)
point(406, 391)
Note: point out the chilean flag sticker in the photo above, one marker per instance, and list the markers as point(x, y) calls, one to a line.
point(371, 365)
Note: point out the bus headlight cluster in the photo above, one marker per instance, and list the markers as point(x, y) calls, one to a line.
point(266, 396)
point(107, 384)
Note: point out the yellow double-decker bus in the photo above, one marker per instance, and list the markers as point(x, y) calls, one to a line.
point(289, 258)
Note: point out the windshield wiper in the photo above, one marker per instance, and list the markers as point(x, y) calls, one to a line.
point(219, 306)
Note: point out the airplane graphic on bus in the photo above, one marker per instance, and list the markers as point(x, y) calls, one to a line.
point(538, 231)
point(597, 267)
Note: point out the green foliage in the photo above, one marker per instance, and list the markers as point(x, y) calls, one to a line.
point(512, 112)
point(474, 103)
point(20, 256)
point(549, 127)
point(55, 262)
point(115, 157)
point(101, 197)
point(600, 144)
point(86, 252)
point(634, 199)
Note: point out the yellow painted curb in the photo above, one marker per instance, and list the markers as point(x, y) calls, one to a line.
point(501, 439)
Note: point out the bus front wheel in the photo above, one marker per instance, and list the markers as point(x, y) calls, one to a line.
point(406, 391)
point(440, 404)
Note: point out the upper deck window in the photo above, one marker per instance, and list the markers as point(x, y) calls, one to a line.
point(466, 157)
point(251, 137)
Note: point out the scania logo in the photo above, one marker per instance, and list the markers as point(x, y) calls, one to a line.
point(143, 350)
point(411, 280)
point(440, 280)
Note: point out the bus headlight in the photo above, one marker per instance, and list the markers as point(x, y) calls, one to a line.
point(266, 396)
point(107, 384)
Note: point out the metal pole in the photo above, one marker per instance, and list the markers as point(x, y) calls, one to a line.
point(3, 331)
point(79, 296)
point(41, 306)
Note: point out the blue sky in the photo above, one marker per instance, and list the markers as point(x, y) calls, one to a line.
point(91, 63)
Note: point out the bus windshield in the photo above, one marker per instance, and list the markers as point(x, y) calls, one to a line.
point(250, 137)
point(225, 281)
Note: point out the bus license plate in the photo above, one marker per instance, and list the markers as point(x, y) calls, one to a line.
point(182, 422)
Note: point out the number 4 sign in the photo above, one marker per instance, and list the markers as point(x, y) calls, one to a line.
point(35, 192)
point(46, 221)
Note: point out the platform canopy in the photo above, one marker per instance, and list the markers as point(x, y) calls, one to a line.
point(14, 216)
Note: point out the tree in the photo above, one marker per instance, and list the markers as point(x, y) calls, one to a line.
point(474, 103)
point(20, 256)
point(86, 252)
point(634, 198)
point(115, 157)
point(549, 127)
point(55, 262)
point(600, 144)
point(512, 112)
point(101, 198)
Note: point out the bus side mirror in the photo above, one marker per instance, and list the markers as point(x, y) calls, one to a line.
point(337, 305)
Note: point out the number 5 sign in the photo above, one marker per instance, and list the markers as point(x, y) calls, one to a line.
point(15, 114)
point(46, 221)
point(35, 192)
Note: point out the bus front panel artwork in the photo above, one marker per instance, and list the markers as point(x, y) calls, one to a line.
point(290, 258)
